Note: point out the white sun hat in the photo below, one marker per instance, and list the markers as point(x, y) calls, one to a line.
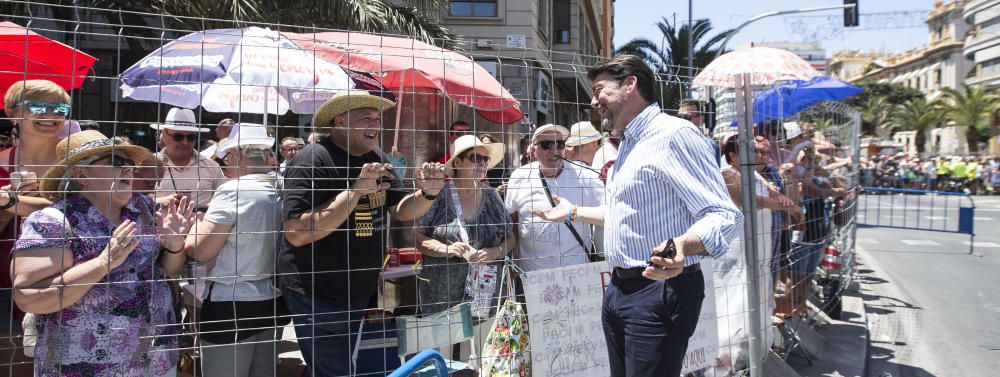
point(550, 127)
point(245, 134)
point(583, 133)
point(467, 142)
point(179, 120)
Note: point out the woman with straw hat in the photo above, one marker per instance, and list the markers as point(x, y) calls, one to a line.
point(467, 223)
point(239, 236)
point(96, 263)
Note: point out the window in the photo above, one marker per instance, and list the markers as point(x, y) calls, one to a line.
point(543, 16)
point(560, 21)
point(474, 8)
point(937, 77)
point(990, 68)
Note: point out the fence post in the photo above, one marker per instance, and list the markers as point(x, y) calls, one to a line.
point(744, 110)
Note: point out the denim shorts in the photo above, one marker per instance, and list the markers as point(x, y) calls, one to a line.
point(804, 257)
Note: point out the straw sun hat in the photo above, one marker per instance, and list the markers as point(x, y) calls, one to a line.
point(467, 142)
point(82, 145)
point(345, 101)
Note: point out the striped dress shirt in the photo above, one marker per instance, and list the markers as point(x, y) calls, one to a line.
point(666, 183)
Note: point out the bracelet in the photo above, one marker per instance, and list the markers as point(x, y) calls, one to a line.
point(572, 215)
point(171, 251)
point(427, 196)
point(12, 201)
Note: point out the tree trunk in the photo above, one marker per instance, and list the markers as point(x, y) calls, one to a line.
point(972, 138)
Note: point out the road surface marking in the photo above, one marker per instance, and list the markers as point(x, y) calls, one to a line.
point(977, 218)
point(936, 217)
point(867, 240)
point(981, 244)
point(920, 242)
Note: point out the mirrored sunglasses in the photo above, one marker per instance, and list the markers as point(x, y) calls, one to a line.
point(42, 107)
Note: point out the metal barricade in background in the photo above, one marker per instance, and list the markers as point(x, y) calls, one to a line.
point(938, 211)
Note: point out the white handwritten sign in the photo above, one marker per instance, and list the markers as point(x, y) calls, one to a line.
point(703, 347)
point(564, 312)
point(567, 337)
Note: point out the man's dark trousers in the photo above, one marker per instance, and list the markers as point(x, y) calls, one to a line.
point(647, 323)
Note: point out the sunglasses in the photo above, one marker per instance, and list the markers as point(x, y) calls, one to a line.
point(459, 132)
point(181, 137)
point(42, 107)
point(476, 158)
point(547, 144)
point(117, 162)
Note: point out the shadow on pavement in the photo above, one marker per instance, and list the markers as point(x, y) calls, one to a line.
point(884, 367)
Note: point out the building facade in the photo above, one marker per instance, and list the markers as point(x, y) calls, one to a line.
point(940, 64)
point(538, 49)
point(982, 46)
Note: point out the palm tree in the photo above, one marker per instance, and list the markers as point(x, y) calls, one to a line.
point(373, 16)
point(916, 115)
point(670, 62)
point(873, 114)
point(971, 110)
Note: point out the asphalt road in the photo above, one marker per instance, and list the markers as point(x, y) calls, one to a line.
point(933, 309)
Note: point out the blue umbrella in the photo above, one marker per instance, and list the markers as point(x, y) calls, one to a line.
point(793, 97)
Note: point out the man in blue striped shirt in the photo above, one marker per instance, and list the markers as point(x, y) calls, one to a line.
point(667, 208)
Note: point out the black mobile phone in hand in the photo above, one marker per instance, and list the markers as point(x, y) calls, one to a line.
point(668, 252)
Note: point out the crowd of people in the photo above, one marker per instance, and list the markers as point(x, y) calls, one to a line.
point(976, 175)
point(260, 233)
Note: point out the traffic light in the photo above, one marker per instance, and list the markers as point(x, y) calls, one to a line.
point(851, 13)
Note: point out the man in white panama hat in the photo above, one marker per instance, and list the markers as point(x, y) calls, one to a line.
point(338, 195)
point(535, 186)
point(188, 172)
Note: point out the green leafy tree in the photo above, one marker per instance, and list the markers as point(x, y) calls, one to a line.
point(670, 62)
point(971, 109)
point(916, 115)
point(874, 112)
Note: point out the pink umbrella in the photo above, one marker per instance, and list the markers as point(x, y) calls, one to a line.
point(765, 64)
point(26, 55)
point(407, 63)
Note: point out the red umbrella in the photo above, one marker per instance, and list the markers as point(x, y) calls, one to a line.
point(26, 55)
point(407, 63)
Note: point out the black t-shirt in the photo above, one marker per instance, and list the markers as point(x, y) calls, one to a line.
point(315, 175)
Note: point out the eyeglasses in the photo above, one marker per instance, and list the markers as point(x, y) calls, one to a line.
point(42, 107)
point(476, 158)
point(547, 144)
point(181, 137)
point(459, 132)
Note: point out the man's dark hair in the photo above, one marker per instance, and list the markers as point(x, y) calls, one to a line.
point(730, 146)
point(693, 103)
point(457, 123)
point(623, 66)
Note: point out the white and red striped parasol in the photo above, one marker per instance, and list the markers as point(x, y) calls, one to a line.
point(766, 65)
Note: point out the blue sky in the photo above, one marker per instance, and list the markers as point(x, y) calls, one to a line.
point(634, 18)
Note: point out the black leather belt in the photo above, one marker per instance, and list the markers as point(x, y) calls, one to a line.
point(636, 272)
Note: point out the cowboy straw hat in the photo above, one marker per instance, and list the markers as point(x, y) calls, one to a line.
point(179, 120)
point(582, 133)
point(83, 145)
point(792, 130)
point(467, 142)
point(244, 134)
point(345, 101)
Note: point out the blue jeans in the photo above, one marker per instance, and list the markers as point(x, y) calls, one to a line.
point(326, 334)
point(647, 323)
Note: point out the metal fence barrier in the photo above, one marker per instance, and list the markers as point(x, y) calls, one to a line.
point(938, 211)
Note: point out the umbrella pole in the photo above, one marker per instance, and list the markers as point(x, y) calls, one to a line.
point(399, 111)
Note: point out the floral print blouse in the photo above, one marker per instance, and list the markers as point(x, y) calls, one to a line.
point(125, 325)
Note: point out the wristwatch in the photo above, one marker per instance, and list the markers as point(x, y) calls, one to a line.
point(427, 196)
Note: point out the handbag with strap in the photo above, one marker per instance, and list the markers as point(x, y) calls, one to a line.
point(592, 253)
point(506, 350)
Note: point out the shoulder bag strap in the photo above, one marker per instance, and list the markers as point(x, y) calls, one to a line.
point(591, 252)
